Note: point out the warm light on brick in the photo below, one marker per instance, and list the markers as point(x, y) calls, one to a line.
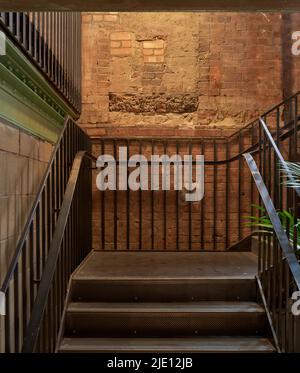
point(158, 52)
point(120, 51)
point(148, 52)
point(120, 36)
point(126, 43)
point(97, 18)
point(153, 44)
point(110, 17)
point(115, 44)
point(154, 59)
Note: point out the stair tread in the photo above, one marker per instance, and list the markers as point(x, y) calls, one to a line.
point(116, 266)
point(204, 306)
point(199, 344)
point(174, 307)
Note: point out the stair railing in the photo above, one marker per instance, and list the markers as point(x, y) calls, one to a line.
point(70, 244)
point(278, 266)
point(27, 265)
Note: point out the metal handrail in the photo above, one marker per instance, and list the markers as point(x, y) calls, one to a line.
point(28, 261)
point(281, 235)
point(54, 251)
point(33, 209)
point(52, 42)
point(279, 155)
point(275, 107)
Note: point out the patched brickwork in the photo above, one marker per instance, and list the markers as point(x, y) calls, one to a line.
point(120, 44)
point(236, 64)
point(156, 103)
point(153, 51)
point(191, 75)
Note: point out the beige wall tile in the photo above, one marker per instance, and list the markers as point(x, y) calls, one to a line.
point(9, 138)
point(45, 151)
point(29, 145)
point(12, 173)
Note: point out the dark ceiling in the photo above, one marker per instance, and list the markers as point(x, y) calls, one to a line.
point(152, 5)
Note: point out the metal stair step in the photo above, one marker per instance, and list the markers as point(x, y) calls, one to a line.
point(164, 290)
point(165, 319)
point(199, 344)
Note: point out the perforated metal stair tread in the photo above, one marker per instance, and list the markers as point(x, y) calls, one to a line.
point(203, 344)
point(174, 307)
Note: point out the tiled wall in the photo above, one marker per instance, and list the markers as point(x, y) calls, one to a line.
point(23, 159)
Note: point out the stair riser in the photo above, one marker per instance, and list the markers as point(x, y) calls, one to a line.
point(164, 291)
point(164, 324)
point(166, 350)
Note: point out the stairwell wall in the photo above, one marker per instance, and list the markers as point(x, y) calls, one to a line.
point(23, 160)
point(184, 75)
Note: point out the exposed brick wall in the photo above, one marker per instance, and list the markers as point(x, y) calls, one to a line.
point(235, 65)
point(183, 75)
point(201, 225)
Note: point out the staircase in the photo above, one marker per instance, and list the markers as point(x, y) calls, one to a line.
point(145, 302)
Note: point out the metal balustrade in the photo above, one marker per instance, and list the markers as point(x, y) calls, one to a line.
point(27, 266)
point(52, 41)
point(37, 280)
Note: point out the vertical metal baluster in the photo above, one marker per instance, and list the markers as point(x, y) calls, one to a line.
point(227, 197)
point(140, 206)
point(40, 36)
point(31, 267)
point(11, 22)
point(52, 47)
point(7, 321)
point(79, 58)
point(177, 201)
point(152, 205)
point(215, 196)
point(16, 309)
point(251, 178)
point(18, 36)
point(295, 159)
point(30, 30)
point(60, 33)
point(239, 186)
point(264, 256)
point(287, 307)
point(260, 237)
point(24, 38)
point(47, 46)
point(203, 207)
point(35, 27)
point(165, 204)
point(24, 294)
point(116, 205)
point(128, 205)
point(102, 206)
point(56, 49)
point(64, 51)
point(73, 57)
point(68, 47)
point(38, 243)
point(190, 203)
point(269, 262)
